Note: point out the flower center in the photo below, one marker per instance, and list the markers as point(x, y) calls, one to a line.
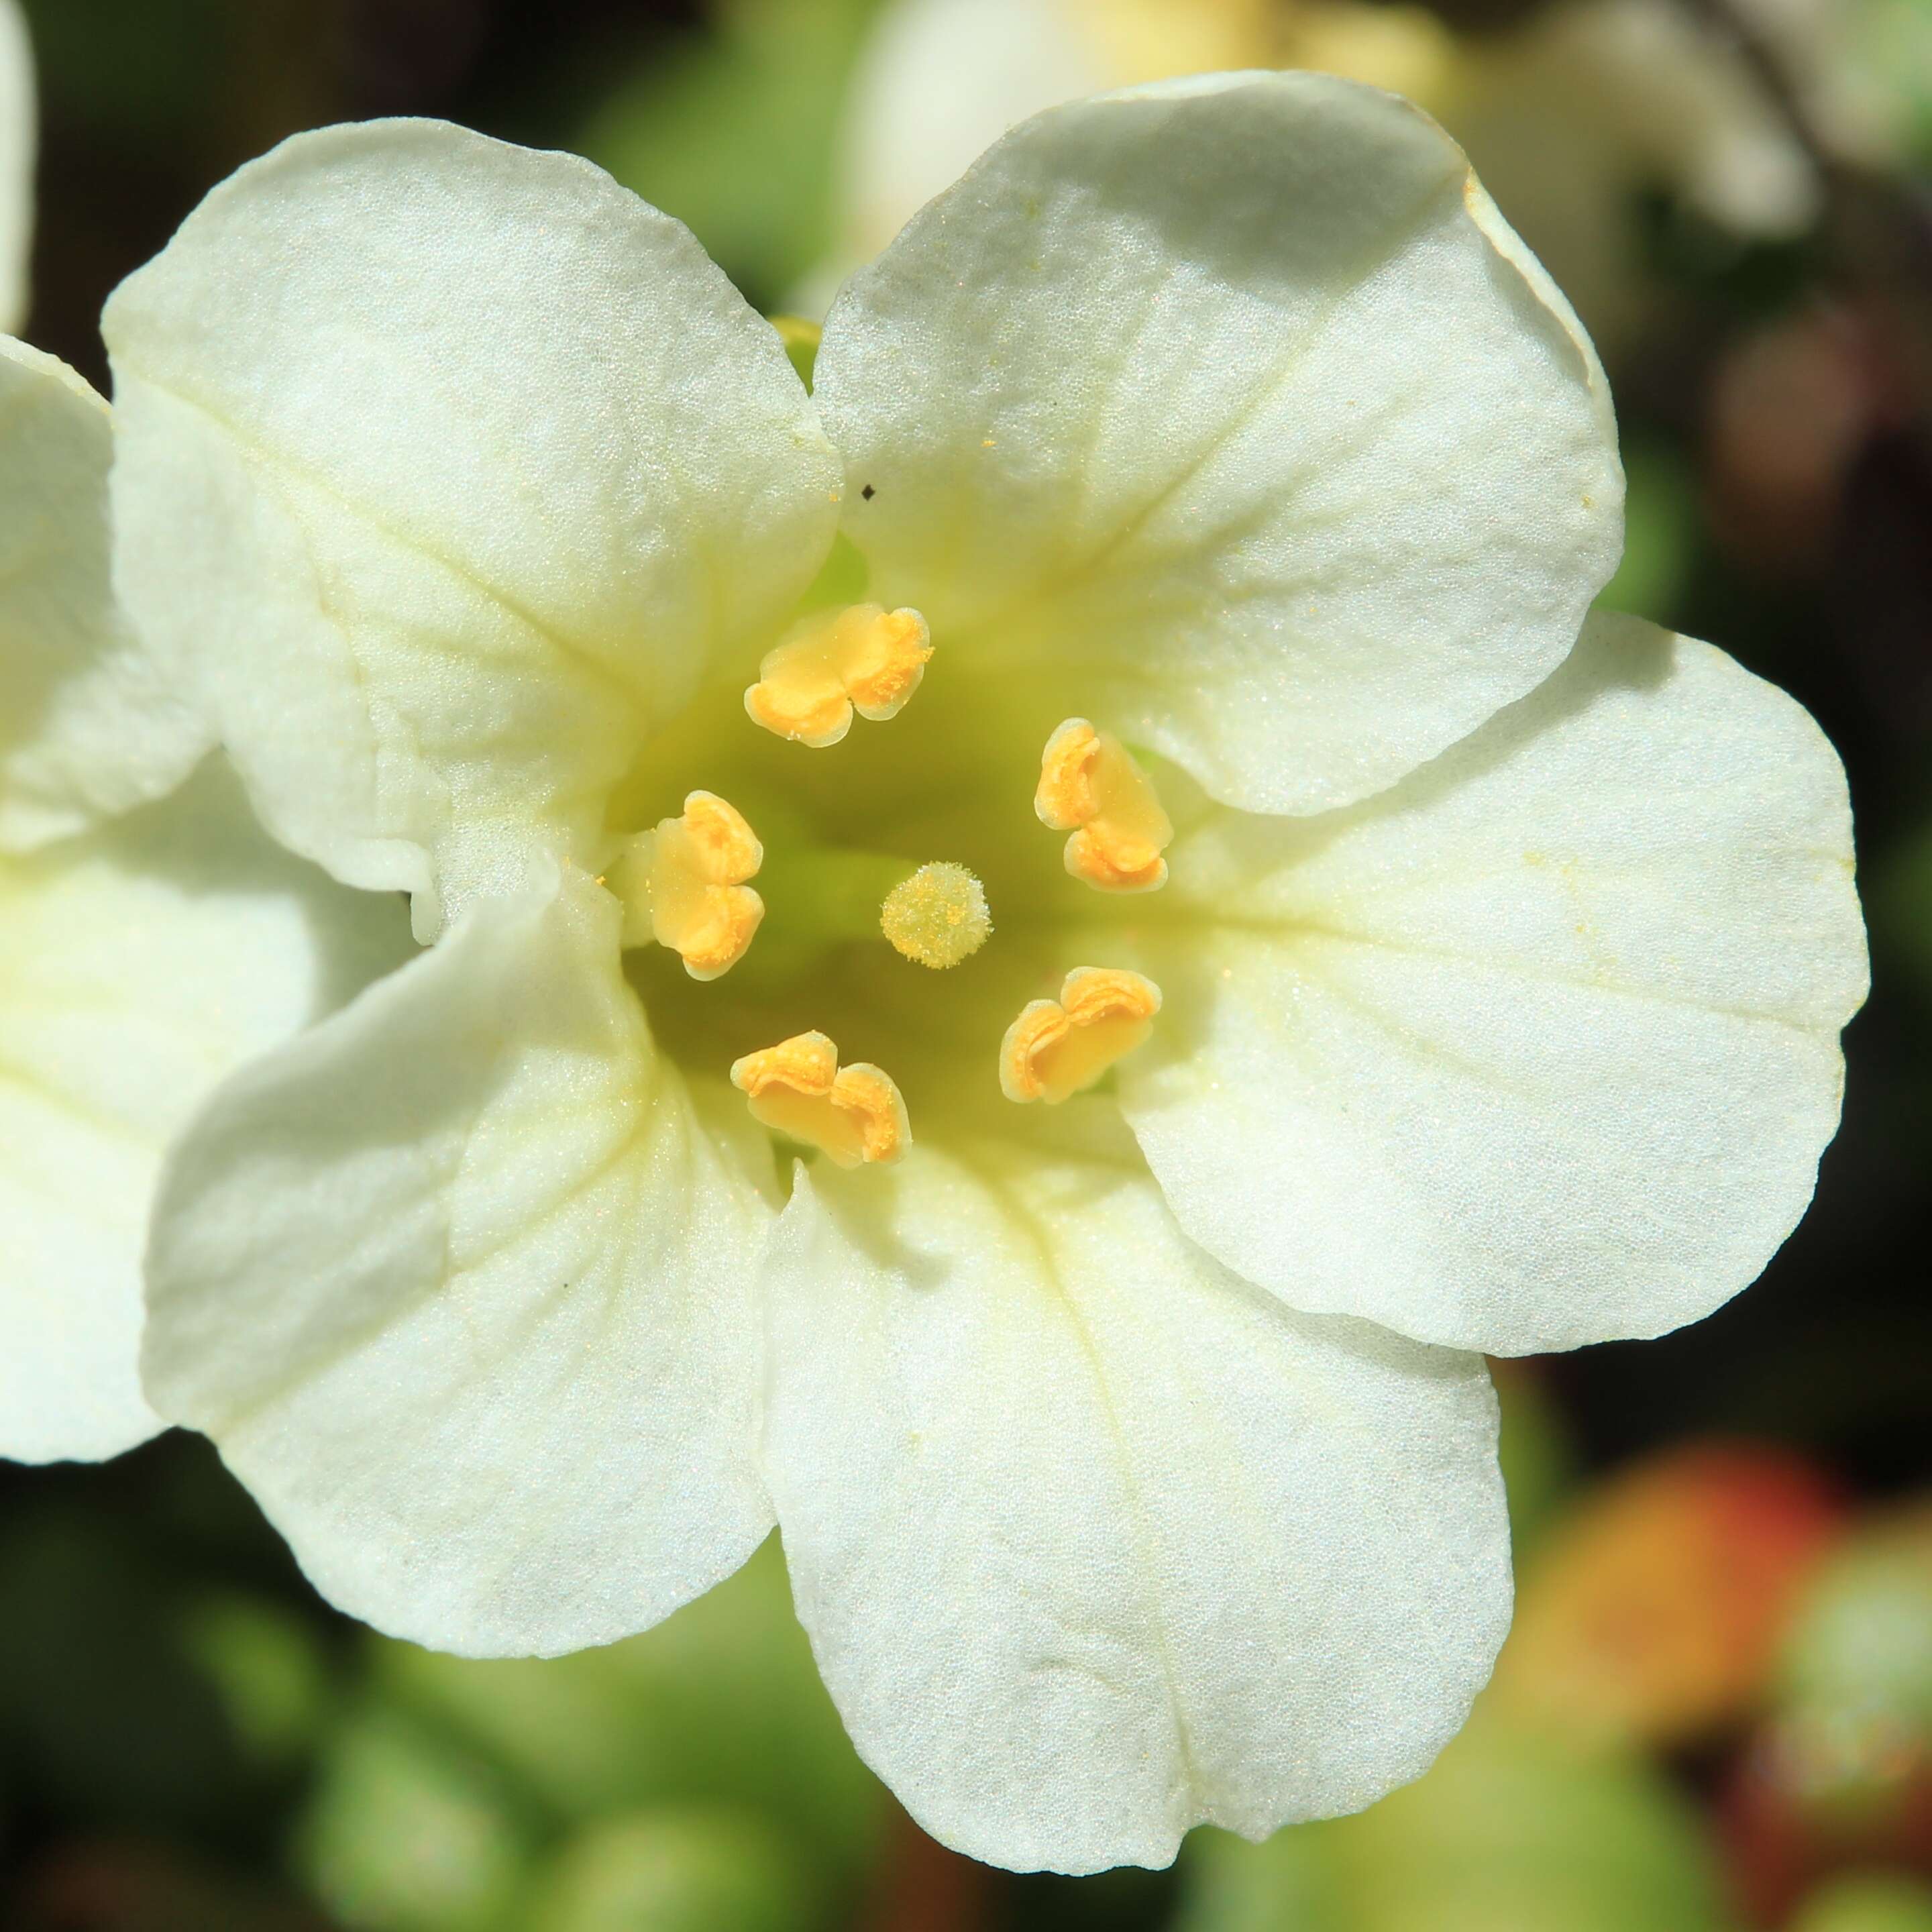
point(883, 860)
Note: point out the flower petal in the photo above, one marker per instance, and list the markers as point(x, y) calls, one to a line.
point(1231, 405)
point(459, 1285)
point(1093, 1540)
point(483, 462)
point(88, 726)
point(1539, 1048)
point(138, 966)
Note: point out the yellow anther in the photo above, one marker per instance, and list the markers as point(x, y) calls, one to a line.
point(683, 886)
point(938, 916)
point(853, 1114)
point(1090, 786)
point(861, 658)
point(1059, 1048)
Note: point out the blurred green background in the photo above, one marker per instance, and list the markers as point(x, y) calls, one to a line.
point(1715, 1714)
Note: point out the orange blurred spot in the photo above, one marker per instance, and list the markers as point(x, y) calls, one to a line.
point(1653, 1613)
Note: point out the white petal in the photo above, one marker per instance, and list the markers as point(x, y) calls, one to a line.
point(19, 130)
point(1231, 406)
point(138, 967)
point(1539, 1048)
point(87, 724)
point(1094, 1540)
point(483, 462)
point(460, 1287)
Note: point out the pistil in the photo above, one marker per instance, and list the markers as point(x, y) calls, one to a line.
point(938, 917)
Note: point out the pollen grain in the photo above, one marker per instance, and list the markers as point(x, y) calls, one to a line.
point(1059, 1048)
point(862, 658)
point(853, 1115)
point(1090, 786)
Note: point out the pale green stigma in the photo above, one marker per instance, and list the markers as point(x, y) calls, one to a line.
point(938, 916)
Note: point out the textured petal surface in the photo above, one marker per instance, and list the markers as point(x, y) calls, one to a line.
point(485, 462)
point(19, 130)
point(1095, 1541)
point(87, 725)
point(1538, 1049)
point(1230, 409)
point(139, 966)
point(460, 1287)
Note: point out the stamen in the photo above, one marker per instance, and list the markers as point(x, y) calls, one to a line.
point(1059, 1048)
point(852, 1115)
point(683, 885)
point(861, 658)
point(938, 916)
point(1090, 786)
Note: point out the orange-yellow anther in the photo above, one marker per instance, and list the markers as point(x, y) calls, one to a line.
point(1059, 1048)
point(862, 657)
point(1090, 786)
point(852, 1115)
point(683, 885)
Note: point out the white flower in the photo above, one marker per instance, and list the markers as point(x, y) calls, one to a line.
point(1436, 976)
point(144, 953)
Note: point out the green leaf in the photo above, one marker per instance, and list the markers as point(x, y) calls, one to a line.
point(736, 133)
point(673, 1871)
point(1862, 1641)
point(406, 1833)
point(1660, 529)
point(1506, 1831)
point(1868, 1905)
point(267, 1668)
point(720, 1703)
point(1539, 1460)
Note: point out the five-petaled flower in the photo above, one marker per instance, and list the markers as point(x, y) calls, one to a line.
point(1318, 953)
